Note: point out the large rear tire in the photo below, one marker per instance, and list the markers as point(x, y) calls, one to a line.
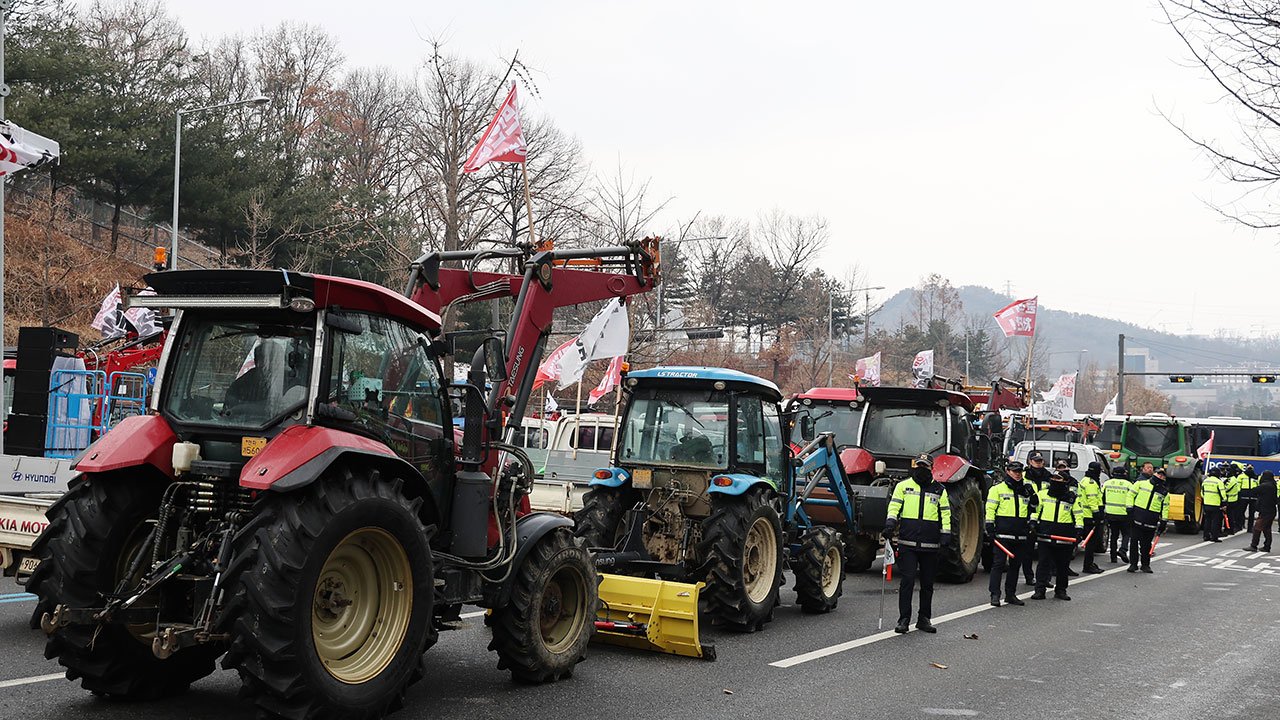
point(94, 532)
point(600, 521)
point(959, 563)
point(742, 551)
point(543, 631)
point(331, 596)
point(819, 570)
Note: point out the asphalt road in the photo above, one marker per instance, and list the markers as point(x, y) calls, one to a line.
point(1195, 639)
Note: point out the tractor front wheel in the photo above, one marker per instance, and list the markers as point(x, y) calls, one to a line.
point(331, 596)
point(861, 553)
point(742, 550)
point(819, 570)
point(543, 631)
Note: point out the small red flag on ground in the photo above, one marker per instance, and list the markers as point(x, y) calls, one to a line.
point(503, 140)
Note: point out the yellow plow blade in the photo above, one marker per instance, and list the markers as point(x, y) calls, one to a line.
point(649, 614)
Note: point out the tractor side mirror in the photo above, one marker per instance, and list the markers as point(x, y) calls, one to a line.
point(495, 359)
point(806, 427)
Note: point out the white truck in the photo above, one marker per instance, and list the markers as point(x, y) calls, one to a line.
point(28, 486)
point(565, 453)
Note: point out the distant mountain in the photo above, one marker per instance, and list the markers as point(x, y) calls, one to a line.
point(1067, 332)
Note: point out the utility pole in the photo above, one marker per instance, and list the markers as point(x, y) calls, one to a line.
point(831, 336)
point(1120, 379)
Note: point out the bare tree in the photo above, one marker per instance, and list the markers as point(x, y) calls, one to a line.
point(623, 210)
point(557, 184)
point(1237, 42)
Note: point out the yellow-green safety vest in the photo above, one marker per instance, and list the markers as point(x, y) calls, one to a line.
point(1090, 499)
point(1149, 506)
point(1115, 497)
point(921, 514)
point(1212, 492)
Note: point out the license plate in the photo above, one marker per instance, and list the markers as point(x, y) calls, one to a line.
point(28, 565)
point(250, 446)
point(642, 478)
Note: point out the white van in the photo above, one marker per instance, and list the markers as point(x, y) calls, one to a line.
point(1076, 455)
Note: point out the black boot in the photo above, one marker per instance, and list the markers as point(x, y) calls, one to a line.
point(1061, 595)
point(1013, 600)
point(1146, 569)
point(1038, 594)
point(1124, 556)
point(1092, 569)
point(1072, 573)
point(1113, 559)
point(995, 601)
point(904, 624)
point(923, 625)
point(1132, 568)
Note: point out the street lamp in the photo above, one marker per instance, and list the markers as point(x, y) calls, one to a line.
point(177, 159)
point(866, 309)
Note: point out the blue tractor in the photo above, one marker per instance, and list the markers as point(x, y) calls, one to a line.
point(704, 488)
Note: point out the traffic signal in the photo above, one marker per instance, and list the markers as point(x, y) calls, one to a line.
point(1264, 379)
point(1181, 379)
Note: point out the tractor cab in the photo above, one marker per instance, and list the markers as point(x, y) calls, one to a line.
point(708, 423)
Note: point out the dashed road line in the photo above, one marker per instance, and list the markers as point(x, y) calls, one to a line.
point(32, 680)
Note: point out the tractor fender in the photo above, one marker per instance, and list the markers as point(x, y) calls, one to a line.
point(530, 529)
point(857, 461)
point(617, 478)
point(738, 483)
point(302, 453)
point(134, 441)
point(950, 468)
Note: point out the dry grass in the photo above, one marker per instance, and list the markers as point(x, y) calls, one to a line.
point(51, 278)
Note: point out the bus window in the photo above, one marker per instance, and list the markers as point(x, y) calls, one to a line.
point(1269, 442)
point(1230, 440)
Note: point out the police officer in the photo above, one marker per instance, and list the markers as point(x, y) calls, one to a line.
point(1149, 511)
point(1010, 504)
point(1090, 507)
point(1232, 507)
point(921, 514)
point(1249, 496)
point(1036, 474)
point(1213, 495)
point(1062, 468)
point(1115, 507)
point(1058, 527)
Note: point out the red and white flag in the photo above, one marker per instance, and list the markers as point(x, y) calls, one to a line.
point(1018, 318)
point(611, 378)
point(1207, 448)
point(549, 370)
point(867, 370)
point(503, 140)
point(922, 368)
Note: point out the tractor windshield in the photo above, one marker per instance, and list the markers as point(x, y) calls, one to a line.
point(243, 374)
point(1154, 441)
point(839, 419)
point(904, 431)
point(677, 427)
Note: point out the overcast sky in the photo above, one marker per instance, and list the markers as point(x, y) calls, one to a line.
point(991, 142)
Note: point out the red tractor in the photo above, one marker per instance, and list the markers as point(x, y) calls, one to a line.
point(878, 431)
point(294, 500)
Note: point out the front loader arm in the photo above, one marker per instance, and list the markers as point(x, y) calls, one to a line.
point(548, 282)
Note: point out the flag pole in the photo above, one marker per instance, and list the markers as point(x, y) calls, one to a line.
point(528, 199)
point(577, 422)
point(1031, 350)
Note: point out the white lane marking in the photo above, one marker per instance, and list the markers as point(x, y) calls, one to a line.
point(1221, 583)
point(954, 712)
point(35, 679)
point(1107, 624)
point(868, 640)
point(464, 616)
point(1178, 684)
point(1219, 589)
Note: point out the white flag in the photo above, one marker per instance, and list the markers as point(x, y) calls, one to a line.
point(1110, 409)
point(143, 320)
point(21, 149)
point(551, 405)
point(107, 321)
point(867, 370)
point(1060, 402)
point(922, 368)
point(606, 336)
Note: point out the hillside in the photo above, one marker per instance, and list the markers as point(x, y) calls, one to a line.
point(1065, 332)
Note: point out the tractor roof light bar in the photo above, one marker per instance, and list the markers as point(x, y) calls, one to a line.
point(192, 302)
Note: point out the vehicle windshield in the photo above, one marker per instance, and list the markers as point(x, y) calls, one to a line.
point(1109, 435)
point(839, 419)
point(677, 427)
point(1151, 440)
point(904, 431)
point(243, 374)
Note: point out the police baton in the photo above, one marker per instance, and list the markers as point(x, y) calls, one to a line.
point(889, 560)
point(1154, 543)
point(1003, 549)
point(1063, 538)
point(1085, 541)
